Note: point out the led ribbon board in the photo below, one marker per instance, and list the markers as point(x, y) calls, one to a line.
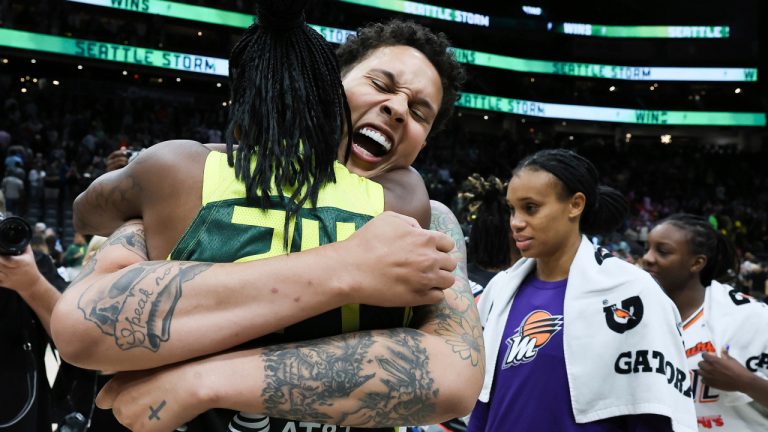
point(113, 52)
point(426, 10)
point(670, 32)
point(632, 73)
point(216, 66)
point(477, 58)
point(606, 114)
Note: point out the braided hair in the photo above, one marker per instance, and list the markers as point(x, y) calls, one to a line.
point(288, 109)
point(486, 210)
point(703, 239)
point(605, 207)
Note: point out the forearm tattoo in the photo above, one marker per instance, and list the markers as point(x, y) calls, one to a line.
point(457, 322)
point(136, 309)
point(104, 196)
point(387, 370)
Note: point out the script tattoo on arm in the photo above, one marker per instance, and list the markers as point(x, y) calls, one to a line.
point(456, 321)
point(137, 308)
point(306, 378)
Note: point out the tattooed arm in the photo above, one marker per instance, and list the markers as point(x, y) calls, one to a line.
point(371, 379)
point(125, 313)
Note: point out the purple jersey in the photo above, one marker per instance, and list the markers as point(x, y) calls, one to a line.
point(530, 390)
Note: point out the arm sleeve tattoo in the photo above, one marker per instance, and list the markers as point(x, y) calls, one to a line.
point(306, 377)
point(137, 308)
point(458, 321)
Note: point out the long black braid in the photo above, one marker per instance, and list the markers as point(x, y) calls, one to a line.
point(488, 214)
point(288, 109)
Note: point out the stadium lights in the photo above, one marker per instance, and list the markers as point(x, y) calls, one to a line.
point(125, 72)
point(56, 82)
point(79, 67)
point(737, 91)
point(23, 90)
point(666, 139)
point(199, 33)
point(33, 61)
point(485, 117)
point(218, 84)
point(34, 80)
point(612, 88)
point(178, 79)
point(5, 61)
point(627, 137)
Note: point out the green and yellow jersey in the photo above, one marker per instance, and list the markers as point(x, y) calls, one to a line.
point(229, 228)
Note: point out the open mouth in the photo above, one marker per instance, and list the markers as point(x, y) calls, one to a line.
point(373, 142)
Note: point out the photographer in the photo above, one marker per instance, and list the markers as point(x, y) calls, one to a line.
point(30, 288)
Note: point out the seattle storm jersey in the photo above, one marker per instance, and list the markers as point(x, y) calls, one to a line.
point(228, 228)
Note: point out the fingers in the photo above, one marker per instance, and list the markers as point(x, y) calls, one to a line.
point(106, 397)
point(407, 219)
point(444, 280)
point(724, 352)
point(444, 242)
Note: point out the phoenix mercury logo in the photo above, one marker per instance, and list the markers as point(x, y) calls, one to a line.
point(534, 332)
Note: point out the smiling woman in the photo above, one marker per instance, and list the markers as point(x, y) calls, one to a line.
point(688, 256)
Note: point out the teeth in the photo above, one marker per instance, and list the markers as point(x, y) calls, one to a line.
point(376, 136)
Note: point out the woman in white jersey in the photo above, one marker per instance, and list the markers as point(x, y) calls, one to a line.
point(724, 331)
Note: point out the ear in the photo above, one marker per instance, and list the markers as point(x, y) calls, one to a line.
point(699, 262)
point(424, 144)
point(576, 205)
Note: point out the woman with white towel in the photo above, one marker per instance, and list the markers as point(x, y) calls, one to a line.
point(724, 330)
point(576, 339)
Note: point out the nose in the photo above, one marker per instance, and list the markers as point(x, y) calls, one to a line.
point(396, 107)
point(648, 257)
point(515, 223)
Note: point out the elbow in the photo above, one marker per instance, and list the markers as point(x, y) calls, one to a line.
point(74, 346)
point(78, 220)
point(460, 396)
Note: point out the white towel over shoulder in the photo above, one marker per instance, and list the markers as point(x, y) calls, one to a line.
point(623, 348)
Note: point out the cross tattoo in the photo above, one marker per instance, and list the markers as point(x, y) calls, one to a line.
point(153, 412)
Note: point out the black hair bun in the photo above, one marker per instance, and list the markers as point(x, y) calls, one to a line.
point(281, 14)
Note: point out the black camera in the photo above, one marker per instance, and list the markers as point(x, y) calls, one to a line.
point(15, 235)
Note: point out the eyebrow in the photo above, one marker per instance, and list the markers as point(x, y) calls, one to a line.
point(416, 99)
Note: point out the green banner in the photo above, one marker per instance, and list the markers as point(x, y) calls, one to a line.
point(607, 114)
point(113, 52)
point(670, 32)
point(216, 66)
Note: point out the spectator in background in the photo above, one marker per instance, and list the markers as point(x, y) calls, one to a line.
point(491, 247)
point(727, 358)
point(30, 288)
point(73, 257)
point(13, 189)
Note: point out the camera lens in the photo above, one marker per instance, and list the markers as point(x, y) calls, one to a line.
point(15, 235)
